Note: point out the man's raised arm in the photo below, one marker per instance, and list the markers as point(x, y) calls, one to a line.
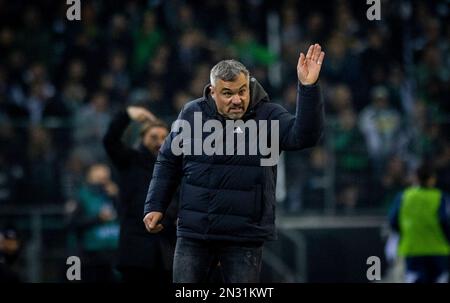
point(305, 128)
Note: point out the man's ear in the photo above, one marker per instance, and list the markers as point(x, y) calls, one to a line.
point(212, 91)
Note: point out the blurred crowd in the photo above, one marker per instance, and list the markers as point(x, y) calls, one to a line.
point(385, 85)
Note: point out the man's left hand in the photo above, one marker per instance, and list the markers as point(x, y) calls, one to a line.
point(308, 67)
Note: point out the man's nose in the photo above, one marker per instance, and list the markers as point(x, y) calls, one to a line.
point(236, 100)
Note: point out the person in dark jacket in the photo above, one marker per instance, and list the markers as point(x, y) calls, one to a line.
point(141, 256)
point(227, 201)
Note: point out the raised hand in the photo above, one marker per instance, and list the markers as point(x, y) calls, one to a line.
point(308, 68)
point(140, 114)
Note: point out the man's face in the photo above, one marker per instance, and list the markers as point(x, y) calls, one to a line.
point(154, 138)
point(232, 97)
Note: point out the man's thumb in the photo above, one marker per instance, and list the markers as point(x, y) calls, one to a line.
point(153, 221)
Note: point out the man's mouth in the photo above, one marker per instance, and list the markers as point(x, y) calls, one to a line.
point(236, 109)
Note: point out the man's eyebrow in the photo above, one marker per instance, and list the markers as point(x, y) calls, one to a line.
point(228, 89)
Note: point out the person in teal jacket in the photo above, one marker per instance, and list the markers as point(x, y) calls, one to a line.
point(420, 215)
point(97, 226)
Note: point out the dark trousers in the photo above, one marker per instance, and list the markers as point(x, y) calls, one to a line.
point(196, 260)
point(429, 269)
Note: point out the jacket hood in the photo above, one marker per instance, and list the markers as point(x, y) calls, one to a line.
point(257, 95)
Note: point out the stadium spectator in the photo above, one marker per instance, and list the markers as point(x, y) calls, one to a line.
point(94, 219)
point(380, 124)
point(91, 123)
point(10, 248)
point(351, 158)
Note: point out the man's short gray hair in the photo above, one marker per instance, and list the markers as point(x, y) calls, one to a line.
point(227, 70)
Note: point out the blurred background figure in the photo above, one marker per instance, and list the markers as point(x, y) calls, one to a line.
point(143, 257)
point(420, 215)
point(352, 162)
point(380, 124)
point(94, 219)
point(90, 125)
point(10, 247)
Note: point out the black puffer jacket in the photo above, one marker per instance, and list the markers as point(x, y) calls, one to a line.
point(232, 197)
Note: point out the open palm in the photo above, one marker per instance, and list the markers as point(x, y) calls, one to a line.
point(308, 67)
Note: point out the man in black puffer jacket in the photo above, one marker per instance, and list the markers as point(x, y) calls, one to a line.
point(227, 200)
point(142, 257)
